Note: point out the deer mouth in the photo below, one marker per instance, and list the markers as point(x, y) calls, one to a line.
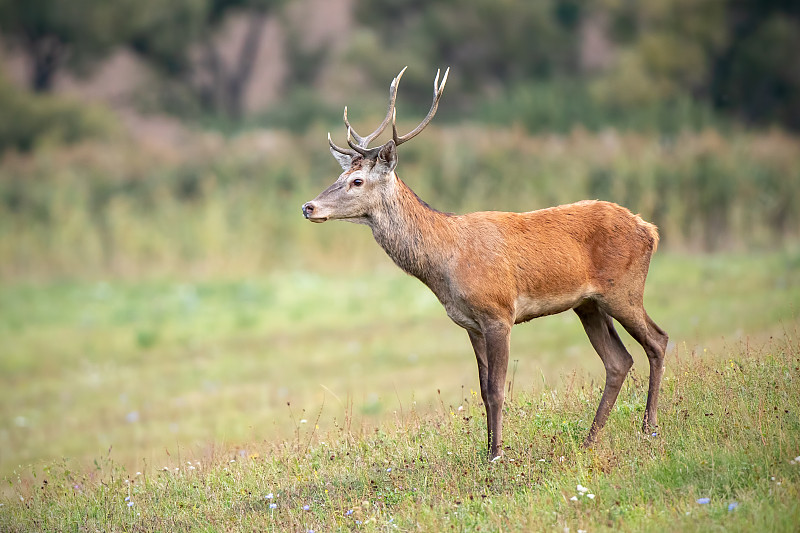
point(317, 220)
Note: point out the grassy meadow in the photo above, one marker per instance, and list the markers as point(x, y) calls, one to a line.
point(726, 459)
point(174, 333)
point(150, 368)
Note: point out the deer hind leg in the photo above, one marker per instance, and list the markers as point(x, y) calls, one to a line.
point(656, 349)
point(616, 359)
point(654, 341)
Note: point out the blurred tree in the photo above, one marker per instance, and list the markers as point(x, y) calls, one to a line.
point(738, 55)
point(162, 31)
point(758, 75)
point(666, 50)
point(488, 42)
point(52, 33)
point(32, 119)
point(180, 39)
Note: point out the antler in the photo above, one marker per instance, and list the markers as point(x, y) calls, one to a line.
point(437, 94)
point(361, 143)
point(345, 151)
point(355, 149)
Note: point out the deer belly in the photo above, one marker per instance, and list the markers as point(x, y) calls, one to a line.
point(530, 307)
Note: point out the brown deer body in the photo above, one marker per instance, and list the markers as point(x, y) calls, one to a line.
point(491, 270)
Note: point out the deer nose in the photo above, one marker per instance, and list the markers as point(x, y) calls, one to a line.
point(308, 209)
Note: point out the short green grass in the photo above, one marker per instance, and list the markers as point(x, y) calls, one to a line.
point(725, 459)
point(150, 369)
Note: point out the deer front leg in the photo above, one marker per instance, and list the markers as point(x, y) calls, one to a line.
point(479, 347)
point(496, 340)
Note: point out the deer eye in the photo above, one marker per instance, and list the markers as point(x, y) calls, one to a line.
point(358, 182)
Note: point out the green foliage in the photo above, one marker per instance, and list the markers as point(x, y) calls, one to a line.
point(759, 84)
point(622, 64)
point(163, 31)
point(232, 206)
point(30, 120)
point(180, 40)
point(671, 46)
point(298, 112)
point(656, 57)
point(559, 106)
point(734, 55)
point(53, 33)
point(485, 42)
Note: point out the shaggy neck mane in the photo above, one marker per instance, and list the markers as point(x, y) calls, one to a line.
point(412, 233)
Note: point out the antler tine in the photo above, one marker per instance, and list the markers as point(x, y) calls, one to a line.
point(370, 153)
point(345, 151)
point(363, 142)
point(438, 90)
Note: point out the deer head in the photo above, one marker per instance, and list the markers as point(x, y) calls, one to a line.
point(368, 173)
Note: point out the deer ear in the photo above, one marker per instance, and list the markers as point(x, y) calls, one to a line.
point(345, 161)
point(387, 156)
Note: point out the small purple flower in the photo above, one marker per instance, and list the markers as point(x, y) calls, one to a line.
point(703, 501)
point(130, 504)
point(732, 506)
point(273, 505)
point(349, 512)
point(127, 498)
point(306, 507)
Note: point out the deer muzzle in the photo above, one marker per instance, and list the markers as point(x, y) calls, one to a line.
point(310, 212)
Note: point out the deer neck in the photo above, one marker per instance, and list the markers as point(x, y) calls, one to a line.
point(418, 238)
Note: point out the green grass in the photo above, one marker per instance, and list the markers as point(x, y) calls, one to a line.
point(729, 432)
point(152, 368)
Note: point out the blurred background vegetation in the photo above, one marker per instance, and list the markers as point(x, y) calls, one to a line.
point(159, 144)
point(152, 137)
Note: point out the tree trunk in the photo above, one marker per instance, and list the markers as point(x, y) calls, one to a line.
point(239, 78)
point(47, 54)
point(226, 88)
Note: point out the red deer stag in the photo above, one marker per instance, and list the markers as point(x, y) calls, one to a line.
point(491, 270)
